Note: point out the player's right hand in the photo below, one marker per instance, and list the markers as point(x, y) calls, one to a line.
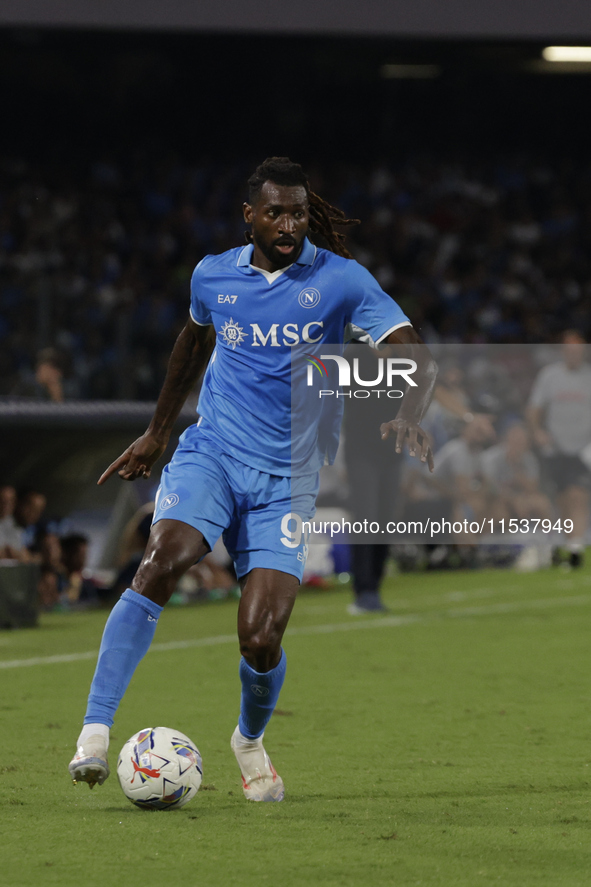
point(137, 460)
point(416, 437)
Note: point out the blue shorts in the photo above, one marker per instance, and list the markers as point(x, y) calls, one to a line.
point(259, 515)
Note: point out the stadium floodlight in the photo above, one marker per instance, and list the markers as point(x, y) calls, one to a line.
point(410, 72)
point(567, 54)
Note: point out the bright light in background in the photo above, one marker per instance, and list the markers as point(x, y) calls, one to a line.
point(567, 54)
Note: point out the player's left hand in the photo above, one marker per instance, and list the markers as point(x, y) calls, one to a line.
point(418, 439)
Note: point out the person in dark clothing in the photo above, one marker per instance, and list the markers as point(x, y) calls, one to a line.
point(373, 470)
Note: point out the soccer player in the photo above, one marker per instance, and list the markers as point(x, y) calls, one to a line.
point(231, 473)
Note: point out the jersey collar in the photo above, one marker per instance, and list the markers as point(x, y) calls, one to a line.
point(306, 257)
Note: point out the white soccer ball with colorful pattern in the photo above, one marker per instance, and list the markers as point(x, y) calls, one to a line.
point(159, 768)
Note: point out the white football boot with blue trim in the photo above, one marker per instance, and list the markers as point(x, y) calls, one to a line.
point(260, 781)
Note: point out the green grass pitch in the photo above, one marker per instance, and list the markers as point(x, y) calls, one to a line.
point(445, 744)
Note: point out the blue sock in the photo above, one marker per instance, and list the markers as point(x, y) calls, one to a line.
point(126, 639)
point(260, 693)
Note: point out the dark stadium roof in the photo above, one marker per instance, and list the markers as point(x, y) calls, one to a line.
point(424, 18)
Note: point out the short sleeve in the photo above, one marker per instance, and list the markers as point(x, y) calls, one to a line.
point(199, 311)
point(371, 309)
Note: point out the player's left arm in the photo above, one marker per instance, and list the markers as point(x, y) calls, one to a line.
point(416, 399)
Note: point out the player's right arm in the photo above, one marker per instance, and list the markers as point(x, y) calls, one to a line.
point(188, 360)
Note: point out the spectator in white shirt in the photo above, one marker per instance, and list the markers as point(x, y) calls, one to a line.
point(559, 414)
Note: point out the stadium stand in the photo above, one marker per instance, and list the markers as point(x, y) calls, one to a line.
point(96, 263)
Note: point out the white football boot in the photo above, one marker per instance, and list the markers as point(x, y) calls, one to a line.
point(260, 781)
point(89, 764)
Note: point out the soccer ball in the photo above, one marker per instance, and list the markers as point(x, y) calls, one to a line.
point(159, 769)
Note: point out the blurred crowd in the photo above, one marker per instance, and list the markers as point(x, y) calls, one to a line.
point(28, 536)
point(523, 463)
point(95, 262)
point(511, 428)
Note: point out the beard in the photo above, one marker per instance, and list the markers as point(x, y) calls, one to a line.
point(273, 255)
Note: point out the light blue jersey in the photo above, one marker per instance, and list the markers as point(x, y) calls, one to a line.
point(245, 401)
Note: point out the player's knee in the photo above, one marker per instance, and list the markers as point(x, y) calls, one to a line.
point(261, 648)
point(158, 575)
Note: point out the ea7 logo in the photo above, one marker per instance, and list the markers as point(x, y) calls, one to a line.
point(230, 299)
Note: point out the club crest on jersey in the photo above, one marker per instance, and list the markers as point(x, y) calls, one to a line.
point(309, 297)
point(169, 501)
point(232, 334)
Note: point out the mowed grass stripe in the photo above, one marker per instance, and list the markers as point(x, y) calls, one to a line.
point(331, 628)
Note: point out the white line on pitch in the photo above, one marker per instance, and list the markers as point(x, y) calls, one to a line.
point(330, 628)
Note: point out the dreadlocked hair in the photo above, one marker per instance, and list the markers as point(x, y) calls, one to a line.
point(323, 216)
